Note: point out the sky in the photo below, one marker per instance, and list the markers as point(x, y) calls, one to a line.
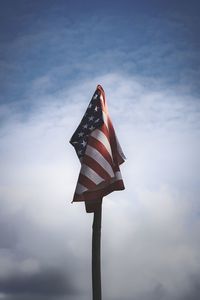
point(145, 54)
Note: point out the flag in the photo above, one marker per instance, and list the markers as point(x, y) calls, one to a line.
point(99, 152)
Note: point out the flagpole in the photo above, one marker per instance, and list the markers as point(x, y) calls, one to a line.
point(96, 253)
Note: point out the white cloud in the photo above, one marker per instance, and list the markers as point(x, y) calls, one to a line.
point(149, 230)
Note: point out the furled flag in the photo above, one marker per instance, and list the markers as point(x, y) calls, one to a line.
point(99, 152)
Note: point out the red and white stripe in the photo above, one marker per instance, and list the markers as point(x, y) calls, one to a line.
point(100, 173)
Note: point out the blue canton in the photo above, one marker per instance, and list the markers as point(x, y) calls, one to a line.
point(91, 120)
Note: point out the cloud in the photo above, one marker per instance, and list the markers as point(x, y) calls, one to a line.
point(45, 282)
point(150, 244)
point(152, 238)
point(52, 50)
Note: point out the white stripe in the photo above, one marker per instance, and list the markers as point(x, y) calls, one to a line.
point(119, 149)
point(100, 136)
point(105, 119)
point(96, 155)
point(118, 176)
point(102, 99)
point(80, 189)
point(91, 174)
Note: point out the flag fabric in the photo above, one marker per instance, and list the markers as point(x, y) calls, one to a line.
point(99, 152)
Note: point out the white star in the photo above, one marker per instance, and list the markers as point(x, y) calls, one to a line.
point(80, 134)
point(83, 143)
point(91, 128)
point(91, 118)
point(90, 105)
point(79, 152)
point(96, 108)
point(95, 96)
point(97, 120)
point(85, 126)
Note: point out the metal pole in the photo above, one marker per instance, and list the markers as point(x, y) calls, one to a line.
point(96, 253)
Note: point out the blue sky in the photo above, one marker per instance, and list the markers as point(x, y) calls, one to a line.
point(146, 56)
point(71, 39)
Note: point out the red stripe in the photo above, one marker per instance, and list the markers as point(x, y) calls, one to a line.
point(104, 129)
point(103, 106)
point(94, 165)
point(91, 195)
point(101, 148)
point(113, 144)
point(112, 140)
point(85, 181)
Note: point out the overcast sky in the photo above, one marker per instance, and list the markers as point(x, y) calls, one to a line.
point(146, 56)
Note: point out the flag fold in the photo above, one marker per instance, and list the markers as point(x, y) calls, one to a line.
point(99, 152)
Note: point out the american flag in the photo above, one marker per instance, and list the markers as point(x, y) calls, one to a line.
point(99, 152)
